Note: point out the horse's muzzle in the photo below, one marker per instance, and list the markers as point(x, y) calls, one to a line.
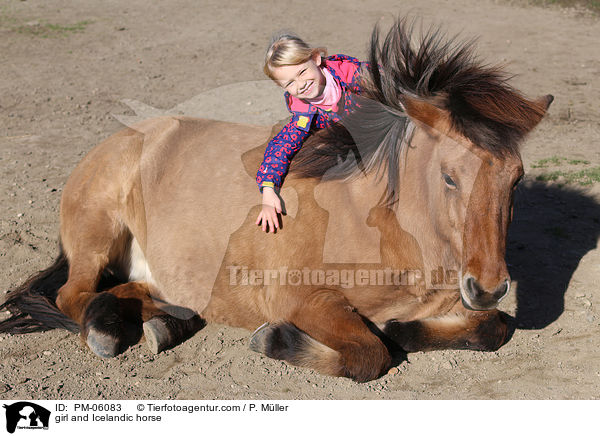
point(475, 297)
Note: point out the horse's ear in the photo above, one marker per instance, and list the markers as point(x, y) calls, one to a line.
point(425, 113)
point(545, 101)
point(538, 109)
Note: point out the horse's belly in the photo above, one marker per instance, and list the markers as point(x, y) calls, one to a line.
point(196, 194)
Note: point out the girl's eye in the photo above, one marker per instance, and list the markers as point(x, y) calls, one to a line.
point(303, 71)
point(451, 184)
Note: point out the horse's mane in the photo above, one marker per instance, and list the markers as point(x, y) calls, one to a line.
point(440, 71)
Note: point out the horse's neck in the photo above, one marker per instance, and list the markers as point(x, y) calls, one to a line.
point(362, 231)
point(350, 237)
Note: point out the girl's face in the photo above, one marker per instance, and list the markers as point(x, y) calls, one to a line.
point(302, 81)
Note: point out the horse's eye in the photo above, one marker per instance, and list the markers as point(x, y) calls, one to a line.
point(451, 184)
point(517, 182)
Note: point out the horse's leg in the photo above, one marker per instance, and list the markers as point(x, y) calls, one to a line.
point(88, 242)
point(84, 274)
point(322, 330)
point(115, 319)
point(110, 320)
point(92, 238)
point(460, 330)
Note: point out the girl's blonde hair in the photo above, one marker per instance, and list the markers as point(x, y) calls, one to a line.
point(288, 49)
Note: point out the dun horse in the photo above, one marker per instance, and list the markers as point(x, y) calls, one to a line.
point(395, 232)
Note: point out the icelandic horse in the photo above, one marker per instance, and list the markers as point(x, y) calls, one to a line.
point(157, 234)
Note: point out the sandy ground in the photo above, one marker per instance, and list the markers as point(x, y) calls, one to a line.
point(64, 88)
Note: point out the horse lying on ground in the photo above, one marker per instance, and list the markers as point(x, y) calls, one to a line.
point(395, 231)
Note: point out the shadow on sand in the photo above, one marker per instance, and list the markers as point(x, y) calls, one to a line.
point(552, 229)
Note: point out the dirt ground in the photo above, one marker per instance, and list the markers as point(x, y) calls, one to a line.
point(73, 72)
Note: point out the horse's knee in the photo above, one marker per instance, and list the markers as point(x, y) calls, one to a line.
point(72, 301)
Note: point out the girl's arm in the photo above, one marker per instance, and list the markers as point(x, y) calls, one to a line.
point(276, 162)
point(280, 151)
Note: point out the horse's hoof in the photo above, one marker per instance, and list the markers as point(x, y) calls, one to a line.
point(158, 336)
point(102, 344)
point(258, 340)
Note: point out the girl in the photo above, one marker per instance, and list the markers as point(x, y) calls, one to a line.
point(318, 91)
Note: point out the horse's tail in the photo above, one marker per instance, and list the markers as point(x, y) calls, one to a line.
point(32, 305)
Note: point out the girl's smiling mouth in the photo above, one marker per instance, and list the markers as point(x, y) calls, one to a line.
point(306, 88)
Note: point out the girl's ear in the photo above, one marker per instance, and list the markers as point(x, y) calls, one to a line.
point(317, 58)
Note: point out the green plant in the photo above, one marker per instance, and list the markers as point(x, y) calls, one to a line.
point(46, 30)
point(578, 162)
point(583, 177)
point(591, 5)
point(543, 163)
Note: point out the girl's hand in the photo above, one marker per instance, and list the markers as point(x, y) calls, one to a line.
point(271, 207)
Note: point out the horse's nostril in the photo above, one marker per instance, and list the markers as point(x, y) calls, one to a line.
point(473, 288)
point(502, 290)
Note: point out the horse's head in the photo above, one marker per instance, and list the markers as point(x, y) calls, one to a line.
point(446, 131)
point(454, 178)
point(463, 196)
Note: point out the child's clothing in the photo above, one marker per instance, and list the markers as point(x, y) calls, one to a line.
point(331, 94)
point(310, 115)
